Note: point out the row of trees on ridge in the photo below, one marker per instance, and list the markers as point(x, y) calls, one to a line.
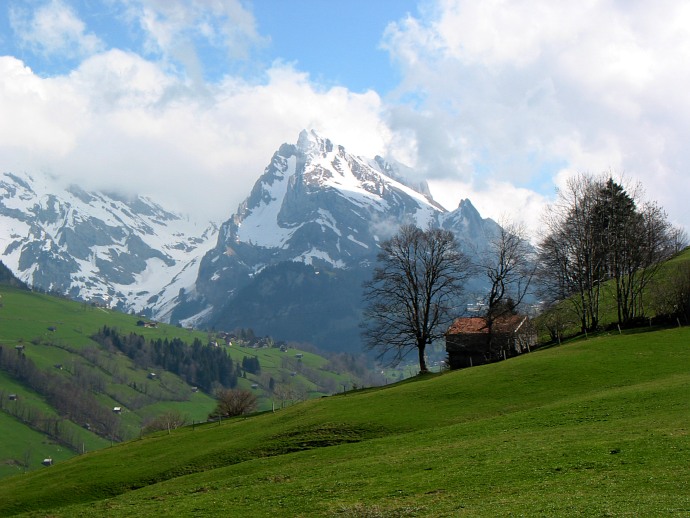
point(597, 231)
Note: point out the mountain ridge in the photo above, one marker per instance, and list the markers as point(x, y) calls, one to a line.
point(126, 253)
point(318, 205)
point(315, 204)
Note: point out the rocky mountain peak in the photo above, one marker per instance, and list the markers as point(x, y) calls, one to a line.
point(310, 143)
point(313, 221)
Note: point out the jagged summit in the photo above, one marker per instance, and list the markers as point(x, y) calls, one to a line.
point(316, 209)
point(310, 142)
point(290, 262)
point(465, 202)
point(322, 204)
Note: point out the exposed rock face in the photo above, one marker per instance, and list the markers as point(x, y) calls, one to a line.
point(127, 253)
point(291, 260)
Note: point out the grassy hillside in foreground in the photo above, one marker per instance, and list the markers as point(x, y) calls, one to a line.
point(594, 428)
point(56, 336)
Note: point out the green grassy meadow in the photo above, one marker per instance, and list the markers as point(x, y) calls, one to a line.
point(55, 335)
point(597, 427)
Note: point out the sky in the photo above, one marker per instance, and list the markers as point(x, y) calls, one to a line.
point(496, 101)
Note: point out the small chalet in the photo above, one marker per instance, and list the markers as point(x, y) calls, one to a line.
point(148, 325)
point(468, 342)
point(47, 462)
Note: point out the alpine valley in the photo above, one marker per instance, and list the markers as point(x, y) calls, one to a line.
point(289, 263)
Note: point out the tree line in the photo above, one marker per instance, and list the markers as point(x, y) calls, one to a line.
point(198, 364)
point(599, 232)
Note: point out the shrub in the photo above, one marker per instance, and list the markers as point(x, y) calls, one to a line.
point(670, 295)
point(234, 402)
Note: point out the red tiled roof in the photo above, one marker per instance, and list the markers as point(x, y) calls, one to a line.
point(467, 325)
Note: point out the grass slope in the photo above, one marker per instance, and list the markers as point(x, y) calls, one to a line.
point(23, 448)
point(598, 427)
point(55, 331)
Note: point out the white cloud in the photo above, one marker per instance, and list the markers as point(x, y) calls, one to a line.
point(518, 91)
point(39, 116)
point(497, 98)
point(54, 29)
point(122, 122)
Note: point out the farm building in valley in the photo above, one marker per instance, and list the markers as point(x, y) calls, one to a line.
point(469, 343)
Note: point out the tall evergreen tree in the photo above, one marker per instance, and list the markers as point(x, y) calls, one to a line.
point(597, 232)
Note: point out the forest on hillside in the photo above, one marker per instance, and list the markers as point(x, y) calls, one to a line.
point(203, 366)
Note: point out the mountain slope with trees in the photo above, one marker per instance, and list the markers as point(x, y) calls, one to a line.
point(599, 232)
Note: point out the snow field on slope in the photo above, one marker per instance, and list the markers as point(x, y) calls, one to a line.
point(181, 240)
point(261, 226)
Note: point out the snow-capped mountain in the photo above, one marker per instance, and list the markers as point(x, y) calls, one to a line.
point(291, 260)
point(126, 253)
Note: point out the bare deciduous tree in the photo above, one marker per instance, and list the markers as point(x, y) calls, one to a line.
point(166, 421)
point(556, 320)
point(640, 259)
point(678, 239)
point(598, 230)
point(413, 292)
point(571, 235)
point(509, 266)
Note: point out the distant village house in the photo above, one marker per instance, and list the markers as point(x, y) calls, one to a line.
point(142, 323)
